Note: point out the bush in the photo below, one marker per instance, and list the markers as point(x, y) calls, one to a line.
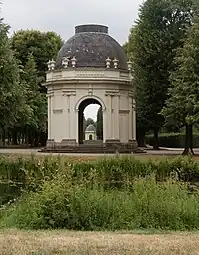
point(60, 204)
point(173, 140)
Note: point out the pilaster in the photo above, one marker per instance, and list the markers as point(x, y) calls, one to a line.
point(70, 115)
point(112, 115)
point(134, 120)
point(49, 97)
point(130, 116)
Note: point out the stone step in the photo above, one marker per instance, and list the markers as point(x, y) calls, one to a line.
point(96, 150)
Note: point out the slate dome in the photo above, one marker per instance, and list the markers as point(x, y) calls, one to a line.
point(92, 45)
point(91, 128)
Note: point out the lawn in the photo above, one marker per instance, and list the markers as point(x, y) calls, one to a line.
point(102, 243)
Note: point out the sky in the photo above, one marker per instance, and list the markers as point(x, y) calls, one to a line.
point(62, 16)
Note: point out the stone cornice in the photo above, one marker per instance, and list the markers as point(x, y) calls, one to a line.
point(86, 81)
point(87, 75)
point(96, 69)
point(50, 94)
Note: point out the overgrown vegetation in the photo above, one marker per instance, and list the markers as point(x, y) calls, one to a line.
point(111, 194)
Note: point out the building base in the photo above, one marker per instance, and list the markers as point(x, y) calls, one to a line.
point(109, 147)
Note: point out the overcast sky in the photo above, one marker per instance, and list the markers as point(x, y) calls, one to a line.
point(62, 16)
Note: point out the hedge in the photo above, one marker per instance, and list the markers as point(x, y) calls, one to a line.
point(173, 140)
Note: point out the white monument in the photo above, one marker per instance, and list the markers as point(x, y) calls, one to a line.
point(91, 68)
point(90, 133)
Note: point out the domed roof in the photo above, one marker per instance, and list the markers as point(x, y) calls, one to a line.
point(91, 45)
point(90, 128)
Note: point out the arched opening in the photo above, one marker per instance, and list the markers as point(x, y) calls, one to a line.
point(90, 137)
point(98, 120)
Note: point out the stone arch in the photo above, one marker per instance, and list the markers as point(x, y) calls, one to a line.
point(82, 104)
point(90, 97)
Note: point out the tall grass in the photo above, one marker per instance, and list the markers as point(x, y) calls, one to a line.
point(59, 204)
point(111, 194)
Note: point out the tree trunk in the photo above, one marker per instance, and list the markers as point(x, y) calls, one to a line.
point(23, 135)
point(155, 140)
point(37, 139)
point(14, 137)
point(3, 137)
point(43, 138)
point(31, 137)
point(188, 150)
point(26, 136)
point(141, 139)
point(9, 138)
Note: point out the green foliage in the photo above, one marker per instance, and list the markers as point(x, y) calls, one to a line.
point(109, 194)
point(33, 49)
point(36, 100)
point(173, 140)
point(182, 105)
point(42, 45)
point(25, 174)
point(23, 108)
point(160, 28)
point(12, 92)
point(150, 205)
point(125, 47)
point(90, 121)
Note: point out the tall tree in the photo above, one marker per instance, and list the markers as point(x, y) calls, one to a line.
point(36, 124)
point(42, 45)
point(12, 92)
point(152, 42)
point(183, 103)
point(90, 121)
point(34, 49)
point(125, 47)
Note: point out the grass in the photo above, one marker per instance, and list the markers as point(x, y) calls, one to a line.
point(102, 243)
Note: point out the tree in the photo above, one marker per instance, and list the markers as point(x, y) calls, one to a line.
point(34, 49)
point(99, 124)
point(42, 45)
point(90, 121)
point(152, 42)
point(183, 103)
point(125, 47)
point(12, 92)
point(36, 124)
